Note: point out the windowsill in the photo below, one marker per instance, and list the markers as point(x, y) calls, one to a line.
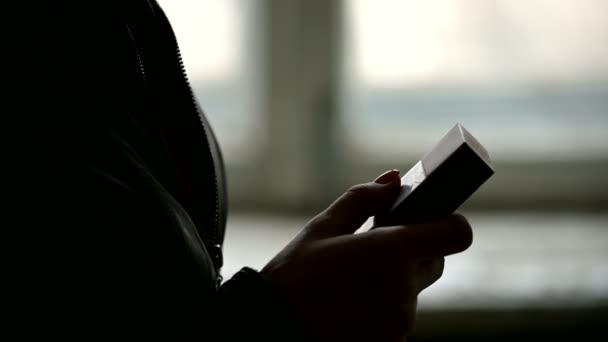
point(517, 261)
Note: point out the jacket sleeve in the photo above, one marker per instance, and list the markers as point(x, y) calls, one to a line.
point(248, 298)
point(111, 260)
point(96, 248)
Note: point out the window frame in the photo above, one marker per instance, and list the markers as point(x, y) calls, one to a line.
point(294, 72)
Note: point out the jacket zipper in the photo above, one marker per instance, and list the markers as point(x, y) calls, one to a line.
point(215, 245)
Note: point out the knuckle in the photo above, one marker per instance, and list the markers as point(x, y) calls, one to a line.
point(317, 224)
point(357, 191)
point(319, 220)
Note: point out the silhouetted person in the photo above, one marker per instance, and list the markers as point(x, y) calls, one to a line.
point(121, 208)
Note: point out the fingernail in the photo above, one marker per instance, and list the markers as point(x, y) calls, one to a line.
point(387, 177)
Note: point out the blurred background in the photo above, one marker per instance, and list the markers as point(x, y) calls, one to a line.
point(308, 97)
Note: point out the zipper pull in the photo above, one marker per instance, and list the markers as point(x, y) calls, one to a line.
point(218, 260)
point(217, 256)
point(218, 281)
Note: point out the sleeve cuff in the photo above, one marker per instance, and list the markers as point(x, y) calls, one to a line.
point(254, 310)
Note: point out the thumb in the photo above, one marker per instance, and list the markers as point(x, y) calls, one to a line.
point(358, 203)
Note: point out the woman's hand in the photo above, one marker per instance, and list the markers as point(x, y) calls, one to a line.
point(364, 287)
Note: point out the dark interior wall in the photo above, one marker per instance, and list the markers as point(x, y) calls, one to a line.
point(566, 324)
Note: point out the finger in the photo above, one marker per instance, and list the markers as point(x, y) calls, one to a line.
point(442, 237)
point(356, 205)
point(438, 238)
point(429, 270)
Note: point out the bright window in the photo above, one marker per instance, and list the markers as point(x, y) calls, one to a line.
point(528, 78)
point(212, 36)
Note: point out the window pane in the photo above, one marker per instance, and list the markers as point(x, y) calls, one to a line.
point(212, 36)
point(528, 78)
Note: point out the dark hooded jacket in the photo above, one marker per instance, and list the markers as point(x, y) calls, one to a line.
point(120, 193)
